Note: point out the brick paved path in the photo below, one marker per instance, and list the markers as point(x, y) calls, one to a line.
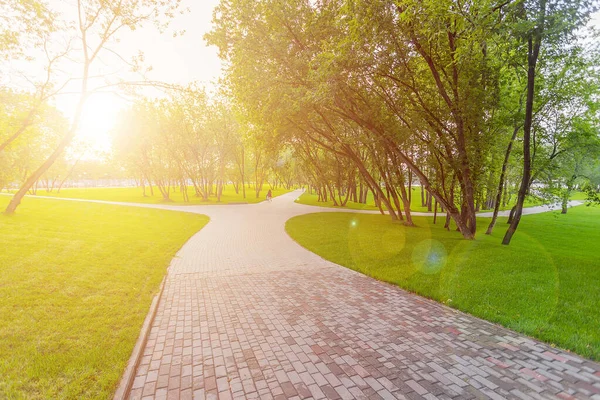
point(248, 313)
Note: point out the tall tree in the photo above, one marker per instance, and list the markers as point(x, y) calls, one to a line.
point(98, 23)
point(539, 22)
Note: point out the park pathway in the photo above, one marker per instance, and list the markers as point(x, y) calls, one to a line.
point(248, 313)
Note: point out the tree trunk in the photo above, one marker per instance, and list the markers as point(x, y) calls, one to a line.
point(64, 142)
point(354, 194)
point(378, 203)
point(220, 190)
point(534, 43)
point(345, 201)
point(242, 168)
point(505, 195)
point(409, 186)
point(164, 188)
point(364, 193)
point(428, 201)
point(406, 203)
point(184, 191)
point(490, 227)
point(332, 196)
point(243, 187)
point(396, 200)
point(26, 123)
point(567, 194)
point(511, 215)
point(403, 195)
point(67, 176)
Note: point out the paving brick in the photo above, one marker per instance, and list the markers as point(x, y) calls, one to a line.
point(248, 313)
point(416, 387)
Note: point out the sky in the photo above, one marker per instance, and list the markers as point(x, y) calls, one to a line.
point(176, 60)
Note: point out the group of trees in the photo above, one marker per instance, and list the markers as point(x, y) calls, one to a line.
point(172, 143)
point(38, 43)
point(19, 158)
point(471, 100)
point(188, 141)
point(481, 103)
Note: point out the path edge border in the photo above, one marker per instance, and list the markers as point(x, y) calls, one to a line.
point(126, 381)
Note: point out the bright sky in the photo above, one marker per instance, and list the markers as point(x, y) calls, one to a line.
point(177, 60)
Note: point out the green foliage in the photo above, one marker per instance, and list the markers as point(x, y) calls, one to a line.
point(544, 285)
point(592, 194)
point(93, 25)
point(370, 92)
point(188, 138)
point(77, 281)
point(25, 153)
point(23, 23)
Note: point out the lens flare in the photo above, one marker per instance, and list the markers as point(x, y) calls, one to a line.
point(429, 256)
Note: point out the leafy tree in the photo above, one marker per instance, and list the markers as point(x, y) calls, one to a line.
point(98, 23)
point(546, 26)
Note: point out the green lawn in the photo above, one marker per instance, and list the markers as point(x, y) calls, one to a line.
point(546, 284)
point(578, 196)
point(76, 282)
point(135, 195)
point(415, 201)
point(312, 200)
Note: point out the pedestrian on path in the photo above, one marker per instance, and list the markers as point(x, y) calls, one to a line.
point(269, 195)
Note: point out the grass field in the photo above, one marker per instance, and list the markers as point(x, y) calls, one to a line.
point(76, 282)
point(578, 196)
point(312, 200)
point(415, 203)
point(546, 284)
point(135, 195)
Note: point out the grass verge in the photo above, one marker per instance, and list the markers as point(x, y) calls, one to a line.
point(135, 195)
point(546, 284)
point(77, 281)
point(415, 202)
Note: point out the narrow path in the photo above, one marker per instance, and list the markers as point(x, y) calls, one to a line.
point(248, 313)
point(533, 210)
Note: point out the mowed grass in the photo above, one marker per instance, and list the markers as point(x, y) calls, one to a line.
point(546, 284)
point(313, 200)
point(76, 282)
point(135, 195)
point(415, 202)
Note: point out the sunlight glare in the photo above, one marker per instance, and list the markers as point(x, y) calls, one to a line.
point(98, 119)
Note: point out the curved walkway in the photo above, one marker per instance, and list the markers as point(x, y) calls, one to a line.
point(248, 313)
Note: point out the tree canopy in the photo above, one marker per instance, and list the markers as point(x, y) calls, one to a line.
point(435, 92)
